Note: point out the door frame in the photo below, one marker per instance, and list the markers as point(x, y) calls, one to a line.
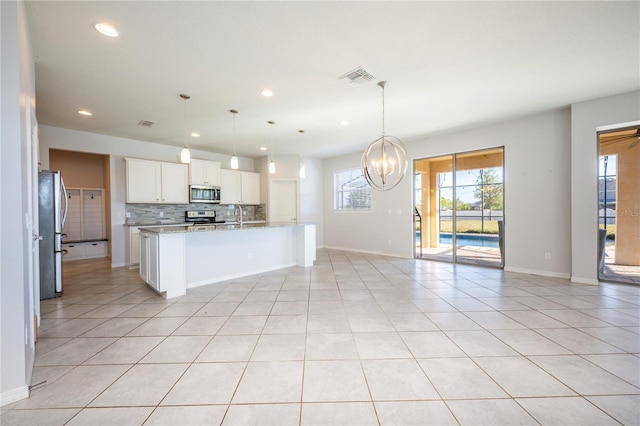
point(454, 215)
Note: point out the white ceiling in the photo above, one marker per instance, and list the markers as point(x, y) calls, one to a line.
point(448, 65)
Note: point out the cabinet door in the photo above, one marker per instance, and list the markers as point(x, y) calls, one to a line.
point(144, 257)
point(230, 187)
point(134, 244)
point(250, 188)
point(212, 173)
point(143, 181)
point(204, 172)
point(72, 229)
point(154, 266)
point(93, 226)
point(175, 183)
point(196, 172)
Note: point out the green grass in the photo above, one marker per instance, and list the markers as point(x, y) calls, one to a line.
point(611, 231)
point(471, 226)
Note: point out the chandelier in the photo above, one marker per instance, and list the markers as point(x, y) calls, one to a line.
point(384, 162)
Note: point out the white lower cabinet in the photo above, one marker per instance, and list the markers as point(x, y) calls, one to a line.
point(162, 262)
point(84, 250)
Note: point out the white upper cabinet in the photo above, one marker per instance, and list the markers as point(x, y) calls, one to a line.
point(156, 182)
point(250, 187)
point(239, 187)
point(204, 172)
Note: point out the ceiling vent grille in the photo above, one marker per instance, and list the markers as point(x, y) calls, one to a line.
point(357, 77)
point(145, 123)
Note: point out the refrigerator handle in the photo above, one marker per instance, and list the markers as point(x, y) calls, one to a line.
point(66, 202)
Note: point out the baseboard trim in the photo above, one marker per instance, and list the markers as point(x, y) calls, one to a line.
point(379, 253)
point(549, 274)
point(14, 395)
point(587, 281)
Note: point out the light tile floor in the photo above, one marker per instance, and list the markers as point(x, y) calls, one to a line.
point(356, 339)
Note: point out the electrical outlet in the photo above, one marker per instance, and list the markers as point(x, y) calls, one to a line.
point(547, 256)
point(249, 256)
point(161, 214)
point(128, 215)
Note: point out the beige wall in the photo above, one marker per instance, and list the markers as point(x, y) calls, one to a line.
point(79, 169)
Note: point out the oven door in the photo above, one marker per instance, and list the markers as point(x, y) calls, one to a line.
point(204, 194)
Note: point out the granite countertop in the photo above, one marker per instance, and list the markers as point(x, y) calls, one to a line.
point(228, 226)
point(156, 223)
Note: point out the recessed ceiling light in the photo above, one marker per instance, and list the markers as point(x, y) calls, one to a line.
point(195, 135)
point(84, 112)
point(263, 148)
point(344, 123)
point(106, 29)
point(267, 93)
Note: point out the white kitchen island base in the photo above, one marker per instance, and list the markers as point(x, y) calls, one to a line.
point(173, 260)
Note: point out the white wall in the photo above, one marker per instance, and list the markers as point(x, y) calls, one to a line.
point(311, 196)
point(385, 229)
point(17, 83)
point(118, 149)
point(585, 118)
point(537, 180)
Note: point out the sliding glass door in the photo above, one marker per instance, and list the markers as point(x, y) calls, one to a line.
point(619, 206)
point(459, 208)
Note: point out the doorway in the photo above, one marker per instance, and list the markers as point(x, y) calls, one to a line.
point(619, 205)
point(458, 208)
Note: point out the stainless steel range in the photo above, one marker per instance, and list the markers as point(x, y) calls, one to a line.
point(201, 217)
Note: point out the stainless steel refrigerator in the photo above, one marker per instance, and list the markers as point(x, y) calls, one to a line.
point(52, 211)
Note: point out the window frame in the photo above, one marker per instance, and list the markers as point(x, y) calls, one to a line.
point(339, 207)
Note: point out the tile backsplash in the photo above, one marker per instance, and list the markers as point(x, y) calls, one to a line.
point(174, 213)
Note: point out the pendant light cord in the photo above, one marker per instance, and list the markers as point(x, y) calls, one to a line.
point(382, 85)
point(234, 112)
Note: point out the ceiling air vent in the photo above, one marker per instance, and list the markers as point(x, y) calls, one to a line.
point(357, 77)
point(145, 123)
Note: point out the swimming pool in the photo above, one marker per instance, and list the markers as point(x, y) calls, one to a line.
point(482, 240)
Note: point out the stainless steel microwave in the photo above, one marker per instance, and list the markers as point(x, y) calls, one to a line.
point(204, 194)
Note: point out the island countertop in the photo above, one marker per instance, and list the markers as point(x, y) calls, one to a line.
point(176, 258)
point(227, 226)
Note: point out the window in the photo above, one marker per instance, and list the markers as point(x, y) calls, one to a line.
point(352, 192)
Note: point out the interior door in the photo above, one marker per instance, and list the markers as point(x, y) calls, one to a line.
point(283, 201)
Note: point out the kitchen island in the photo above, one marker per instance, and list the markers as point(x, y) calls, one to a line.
point(176, 258)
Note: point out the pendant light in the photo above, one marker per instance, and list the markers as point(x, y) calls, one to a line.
point(384, 162)
point(234, 157)
point(272, 165)
point(185, 154)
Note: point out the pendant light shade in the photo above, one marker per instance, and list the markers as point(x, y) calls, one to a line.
point(384, 162)
point(272, 167)
point(185, 154)
point(234, 158)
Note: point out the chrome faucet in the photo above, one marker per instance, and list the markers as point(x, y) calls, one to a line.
point(239, 211)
